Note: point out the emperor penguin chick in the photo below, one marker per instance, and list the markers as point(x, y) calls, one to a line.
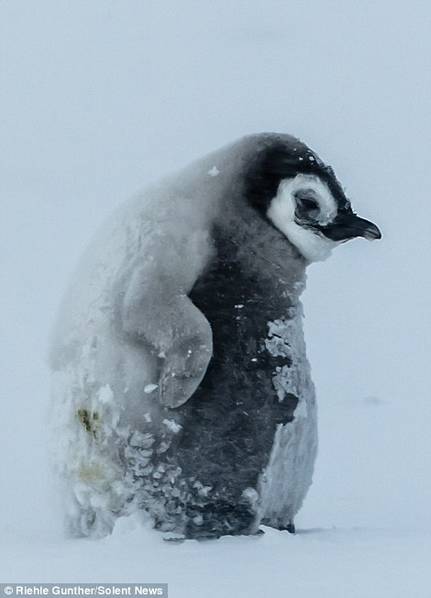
point(181, 386)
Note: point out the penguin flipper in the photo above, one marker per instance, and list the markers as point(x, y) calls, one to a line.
point(157, 312)
point(186, 361)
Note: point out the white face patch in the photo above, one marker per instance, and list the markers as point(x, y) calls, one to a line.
point(313, 245)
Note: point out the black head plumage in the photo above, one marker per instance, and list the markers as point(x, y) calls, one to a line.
point(282, 157)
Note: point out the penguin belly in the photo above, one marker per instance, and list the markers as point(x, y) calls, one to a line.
point(221, 448)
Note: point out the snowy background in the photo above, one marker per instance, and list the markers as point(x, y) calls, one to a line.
point(98, 98)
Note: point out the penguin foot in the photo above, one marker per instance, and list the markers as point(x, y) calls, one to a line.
point(220, 518)
point(173, 537)
point(258, 533)
point(290, 527)
point(282, 527)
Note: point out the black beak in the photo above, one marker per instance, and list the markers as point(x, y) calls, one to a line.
point(347, 226)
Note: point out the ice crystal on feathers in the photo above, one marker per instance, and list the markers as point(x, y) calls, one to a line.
point(172, 425)
point(286, 479)
point(149, 388)
point(214, 171)
point(282, 336)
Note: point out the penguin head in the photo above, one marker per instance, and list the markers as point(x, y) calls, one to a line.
point(292, 188)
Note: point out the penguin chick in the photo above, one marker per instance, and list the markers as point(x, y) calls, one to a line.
point(180, 340)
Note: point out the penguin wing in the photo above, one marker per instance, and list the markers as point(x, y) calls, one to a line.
point(157, 311)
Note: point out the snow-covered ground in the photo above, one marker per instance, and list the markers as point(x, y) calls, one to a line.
point(328, 562)
point(97, 98)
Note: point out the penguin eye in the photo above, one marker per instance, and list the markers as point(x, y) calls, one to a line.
point(309, 204)
point(306, 204)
